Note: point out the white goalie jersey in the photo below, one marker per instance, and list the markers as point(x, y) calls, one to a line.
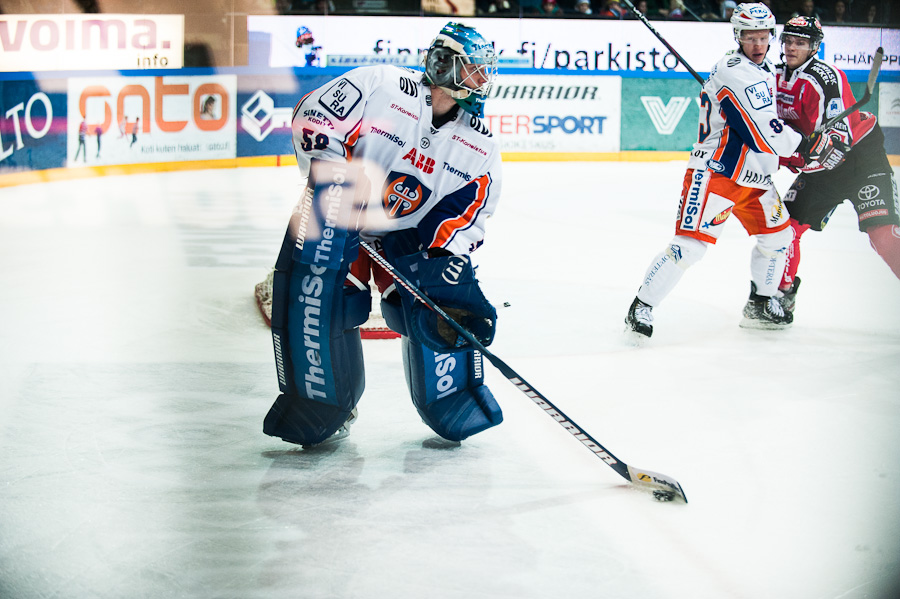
point(443, 181)
point(741, 136)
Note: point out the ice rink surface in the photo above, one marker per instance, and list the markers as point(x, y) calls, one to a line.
point(135, 372)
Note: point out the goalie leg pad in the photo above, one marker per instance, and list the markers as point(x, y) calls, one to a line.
point(448, 390)
point(318, 353)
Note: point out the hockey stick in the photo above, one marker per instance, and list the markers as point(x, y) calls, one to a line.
point(644, 20)
point(665, 488)
point(870, 87)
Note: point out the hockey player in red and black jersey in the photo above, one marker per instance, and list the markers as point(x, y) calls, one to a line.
point(809, 93)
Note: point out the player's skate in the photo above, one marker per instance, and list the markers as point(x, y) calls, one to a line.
point(763, 312)
point(789, 298)
point(640, 318)
point(339, 433)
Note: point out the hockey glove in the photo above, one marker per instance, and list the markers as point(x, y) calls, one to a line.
point(827, 150)
point(449, 281)
point(794, 162)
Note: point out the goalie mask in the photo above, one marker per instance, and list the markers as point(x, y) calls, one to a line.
point(805, 27)
point(462, 63)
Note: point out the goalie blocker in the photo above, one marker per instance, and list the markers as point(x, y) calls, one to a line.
point(315, 320)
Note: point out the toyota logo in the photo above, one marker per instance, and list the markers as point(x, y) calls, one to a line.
point(868, 192)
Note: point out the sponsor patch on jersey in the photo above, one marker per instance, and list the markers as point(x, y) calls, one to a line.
point(785, 98)
point(867, 192)
point(403, 195)
point(716, 220)
point(341, 98)
point(778, 212)
point(409, 87)
point(835, 106)
point(693, 200)
point(825, 74)
point(759, 95)
point(733, 61)
point(715, 166)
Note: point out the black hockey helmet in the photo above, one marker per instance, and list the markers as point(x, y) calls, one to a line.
point(808, 27)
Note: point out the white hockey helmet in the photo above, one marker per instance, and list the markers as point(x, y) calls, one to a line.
point(752, 16)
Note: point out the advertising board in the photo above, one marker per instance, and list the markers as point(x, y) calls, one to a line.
point(79, 42)
point(32, 125)
point(127, 120)
point(534, 113)
point(570, 44)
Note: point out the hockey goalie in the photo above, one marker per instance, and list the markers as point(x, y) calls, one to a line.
point(402, 160)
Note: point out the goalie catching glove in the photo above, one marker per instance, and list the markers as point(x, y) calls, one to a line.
point(824, 148)
point(449, 281)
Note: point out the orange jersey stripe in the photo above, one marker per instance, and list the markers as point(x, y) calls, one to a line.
point(723, 141)
point(450, 226)
point(761, 142)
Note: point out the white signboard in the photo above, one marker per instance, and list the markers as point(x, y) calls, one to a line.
point(129, 120)
point(571, 44)
point(78, 42)
point(889, 104)
point(556, 114)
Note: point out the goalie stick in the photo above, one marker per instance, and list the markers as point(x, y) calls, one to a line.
point(870, 87)
point(664, 487)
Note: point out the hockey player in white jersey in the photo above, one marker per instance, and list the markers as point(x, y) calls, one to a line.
point(730, 172)
point(402, 160)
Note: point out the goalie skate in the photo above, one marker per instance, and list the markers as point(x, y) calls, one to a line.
point(340, 433)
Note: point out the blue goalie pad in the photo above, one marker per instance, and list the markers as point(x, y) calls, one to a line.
point(448, 391)
point(449, 281)
point(315, 317)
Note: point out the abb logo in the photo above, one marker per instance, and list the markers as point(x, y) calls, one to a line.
point(175, 94)
point(420, 161)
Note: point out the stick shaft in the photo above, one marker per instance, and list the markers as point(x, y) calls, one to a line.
point(644, 20)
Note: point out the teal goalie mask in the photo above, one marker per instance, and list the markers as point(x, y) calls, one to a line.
point(462, 63)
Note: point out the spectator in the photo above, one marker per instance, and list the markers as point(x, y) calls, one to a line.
point(728, 7)
point(840, 12)
point(701, 9)
point(549, 8)
point(322, 7)
point(808, 8)
point(490, 7)
point(583, 8)
point(641, 5)
point(675, 12)
point(612, 10)
point(871, 14)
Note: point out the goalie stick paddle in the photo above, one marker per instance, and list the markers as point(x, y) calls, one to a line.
point(664, 488)
point(870, 87)
point(644, 20)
